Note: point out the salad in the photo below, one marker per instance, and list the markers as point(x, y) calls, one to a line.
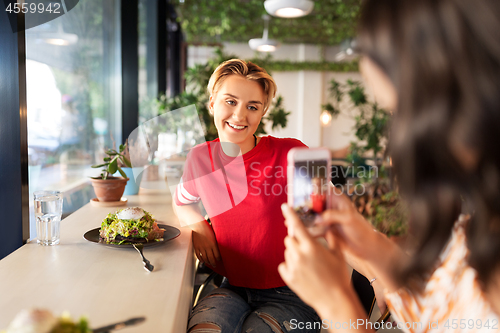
point(130, 225)
point(43, 321)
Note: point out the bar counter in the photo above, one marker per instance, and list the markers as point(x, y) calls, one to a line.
point(104, 284)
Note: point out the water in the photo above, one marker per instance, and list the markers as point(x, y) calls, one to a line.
point(48, 210)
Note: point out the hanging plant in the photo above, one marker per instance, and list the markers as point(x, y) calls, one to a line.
point(329, 23)
point(321, 66)
point(378, 201)
point(370, 120)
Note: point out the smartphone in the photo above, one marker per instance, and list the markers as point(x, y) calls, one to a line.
point(309, 176)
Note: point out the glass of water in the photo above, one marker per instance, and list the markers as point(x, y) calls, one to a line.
point(48, 211)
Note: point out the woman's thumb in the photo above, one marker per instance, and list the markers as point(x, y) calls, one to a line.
point(330, 239)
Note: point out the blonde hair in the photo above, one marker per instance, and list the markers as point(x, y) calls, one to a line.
point(249, 71)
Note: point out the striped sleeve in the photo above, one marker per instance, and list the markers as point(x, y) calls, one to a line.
point(186, 194)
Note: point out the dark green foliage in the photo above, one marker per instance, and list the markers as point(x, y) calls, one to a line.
point(278, 116)
point(378, 202)
point(390, 214)
point(371, 121)
point(66, 325)
point(330, 22)
point(323, 66)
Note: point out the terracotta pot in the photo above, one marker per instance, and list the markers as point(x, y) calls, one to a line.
point(110, 189)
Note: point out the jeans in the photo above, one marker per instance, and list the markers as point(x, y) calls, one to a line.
point(237, 309)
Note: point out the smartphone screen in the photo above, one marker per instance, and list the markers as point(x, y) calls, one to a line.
point(310, 189)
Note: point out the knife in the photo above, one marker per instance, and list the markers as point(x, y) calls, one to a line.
point(119, 325)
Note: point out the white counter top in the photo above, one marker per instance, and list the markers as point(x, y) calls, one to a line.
point(104, 284)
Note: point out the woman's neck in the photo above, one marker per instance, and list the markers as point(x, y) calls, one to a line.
point(233, 149)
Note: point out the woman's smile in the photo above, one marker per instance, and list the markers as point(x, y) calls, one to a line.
point(236, 127)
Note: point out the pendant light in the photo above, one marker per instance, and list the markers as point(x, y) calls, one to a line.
point(58, 37)
point(264, 44)
point(289, 8)
point(348, 50)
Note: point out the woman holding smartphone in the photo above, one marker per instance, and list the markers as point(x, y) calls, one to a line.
point(436, 64)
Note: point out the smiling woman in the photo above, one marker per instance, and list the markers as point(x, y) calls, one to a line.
point(218, 175)
point(238, 108)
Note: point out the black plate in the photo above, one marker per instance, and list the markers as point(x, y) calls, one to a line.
point(170, 233)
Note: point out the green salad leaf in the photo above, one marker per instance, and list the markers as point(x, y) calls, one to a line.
point(112, 226)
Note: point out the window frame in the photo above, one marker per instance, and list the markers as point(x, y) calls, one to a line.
point(14, 197)
point(14, 194)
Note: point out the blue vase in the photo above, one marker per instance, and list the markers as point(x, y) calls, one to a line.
point(132, 186)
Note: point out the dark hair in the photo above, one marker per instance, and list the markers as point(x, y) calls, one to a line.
point(443, 57)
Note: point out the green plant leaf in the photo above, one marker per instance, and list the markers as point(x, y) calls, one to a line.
point(99, 165)
point(357, 95)
point(331, 109)
point(122, 148)
point(278, 118)
point(125, 161)
point(124, 175)
point(335, 90)
point(113, 166)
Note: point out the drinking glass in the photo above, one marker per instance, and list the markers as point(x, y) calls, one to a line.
point(48, 211)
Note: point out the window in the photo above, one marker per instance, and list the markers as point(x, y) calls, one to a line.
point(148, 57)
point(73, 66)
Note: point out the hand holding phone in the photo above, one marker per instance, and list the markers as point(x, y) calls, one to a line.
point(308, 185)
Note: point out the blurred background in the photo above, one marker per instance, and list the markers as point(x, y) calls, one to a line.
point(92, 75)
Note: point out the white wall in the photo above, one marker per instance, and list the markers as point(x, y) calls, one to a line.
point(303, 92)
point(340, 132)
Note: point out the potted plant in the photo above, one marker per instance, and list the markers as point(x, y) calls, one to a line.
point(374, 193)
point(108, 187)
point(133, 173)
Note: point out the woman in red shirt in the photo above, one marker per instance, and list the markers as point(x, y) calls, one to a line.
point(241, 181)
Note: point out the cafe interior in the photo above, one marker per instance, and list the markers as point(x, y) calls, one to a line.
point(106, 78)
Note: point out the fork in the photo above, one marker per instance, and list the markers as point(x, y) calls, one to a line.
point(147, 264)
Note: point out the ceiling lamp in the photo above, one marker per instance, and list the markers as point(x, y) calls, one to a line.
point(289, 8)
point(59, 37)
point(348, 50)
point(264, 44)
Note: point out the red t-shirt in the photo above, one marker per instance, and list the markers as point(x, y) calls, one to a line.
point(242, 197)
point(318, 203)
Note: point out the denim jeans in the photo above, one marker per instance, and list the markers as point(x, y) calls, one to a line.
point(236, 309)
